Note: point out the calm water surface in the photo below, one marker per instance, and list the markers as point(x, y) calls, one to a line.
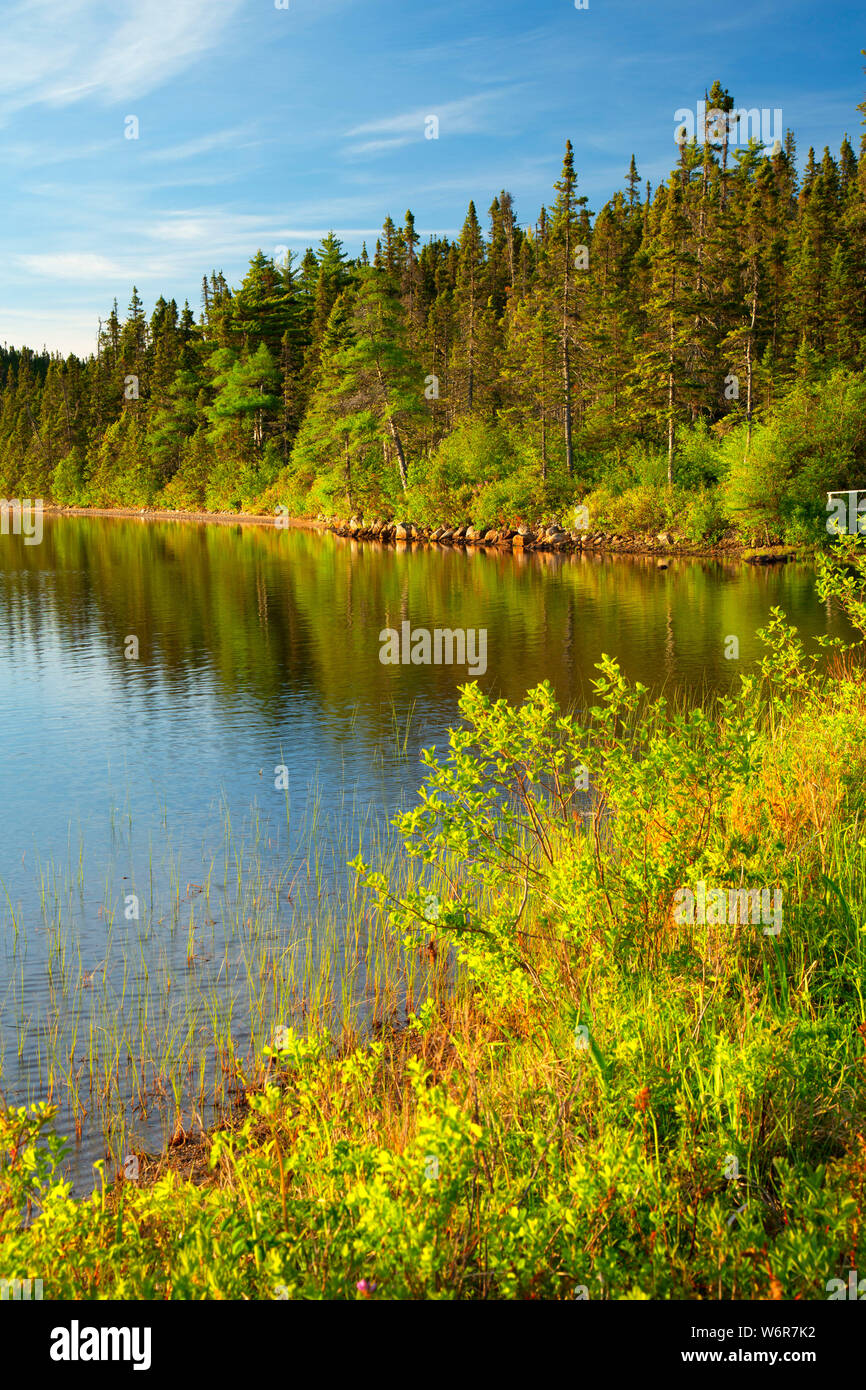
point(258, 648)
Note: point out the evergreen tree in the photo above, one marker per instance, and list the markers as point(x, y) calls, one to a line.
point(568, 232)
point(469, 304)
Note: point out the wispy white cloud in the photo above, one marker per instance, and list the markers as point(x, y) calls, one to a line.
point(392, 142)
point(71, 265)
point(55, 54)
point(237, 138)
point(224, 231)
point(34, 156)
point(469, 115)
point(177, 248)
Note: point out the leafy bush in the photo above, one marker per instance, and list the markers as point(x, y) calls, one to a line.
point(815, 444)
point(476, 461)
point(698, 457)
point(638, 509)
point(700, 516)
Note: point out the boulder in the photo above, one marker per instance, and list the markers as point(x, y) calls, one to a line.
point(401, 531)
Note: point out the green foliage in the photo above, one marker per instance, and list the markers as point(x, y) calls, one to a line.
point(815, 443)
point(701, 516)
point(698, 461)
point(68, 485)
point(188, 487)
point(842, 579)
point(643, 508)
point(123, 473)
point(480, 472)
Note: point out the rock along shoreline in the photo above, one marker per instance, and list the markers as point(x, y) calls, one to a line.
point(555, 538)
point(731, 546)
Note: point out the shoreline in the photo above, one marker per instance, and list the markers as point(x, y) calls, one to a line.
point(546, 539)
point(523, 540)
point(163, 514)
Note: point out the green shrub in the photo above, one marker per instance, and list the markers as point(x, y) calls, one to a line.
point(815, 444)
point(638, 509)
point(700, 516)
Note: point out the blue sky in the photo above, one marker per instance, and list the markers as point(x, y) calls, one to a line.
point(266, 127)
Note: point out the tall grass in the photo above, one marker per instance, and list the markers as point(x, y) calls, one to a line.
point(168, 1027)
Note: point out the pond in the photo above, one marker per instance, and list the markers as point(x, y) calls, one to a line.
point(200, 730)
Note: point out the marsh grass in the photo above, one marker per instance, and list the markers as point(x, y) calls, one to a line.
point(163, 1033)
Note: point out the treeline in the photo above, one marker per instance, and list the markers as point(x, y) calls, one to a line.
point(692, 354)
